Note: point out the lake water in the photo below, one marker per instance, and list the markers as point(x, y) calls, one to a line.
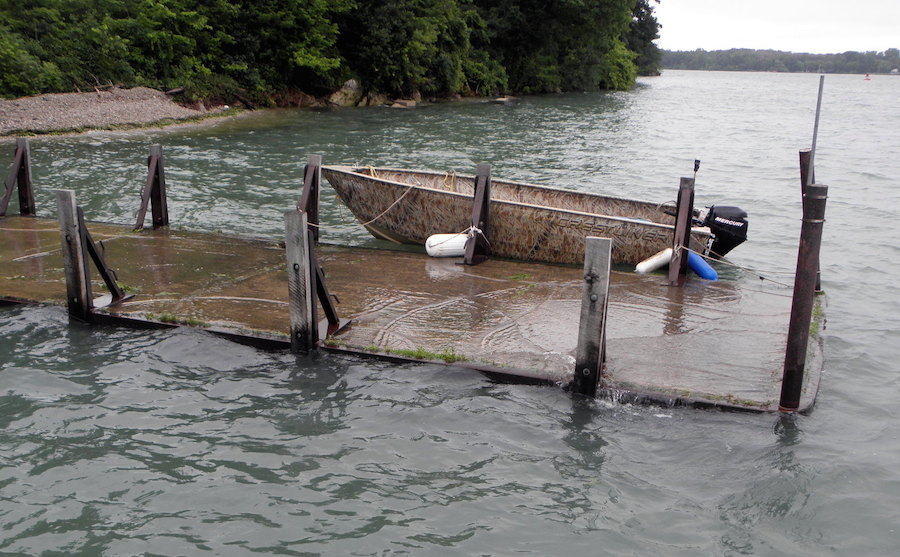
point(121, 442)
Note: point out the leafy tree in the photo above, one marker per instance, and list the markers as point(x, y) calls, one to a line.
point(289, 43)
point(556, 45)
point(22, 73)
point(418, 46)
point(774, 60)
point(643, 30)
point(263, 48)
point(617, 68)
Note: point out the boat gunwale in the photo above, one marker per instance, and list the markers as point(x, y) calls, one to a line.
point(352, 170)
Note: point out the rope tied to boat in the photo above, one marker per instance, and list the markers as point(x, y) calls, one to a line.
point(450, 176)
point(368, 222)
point(391, 206)
point(759, 275)
point(474, 231)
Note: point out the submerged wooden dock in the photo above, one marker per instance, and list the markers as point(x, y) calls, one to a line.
point(697, 343)
point(708, 343)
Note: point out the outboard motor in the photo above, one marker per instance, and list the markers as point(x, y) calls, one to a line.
point(728, 225)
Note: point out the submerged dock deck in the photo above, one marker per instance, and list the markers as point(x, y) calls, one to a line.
point(706, 344)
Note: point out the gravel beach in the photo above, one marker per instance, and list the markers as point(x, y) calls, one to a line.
point(77, 111)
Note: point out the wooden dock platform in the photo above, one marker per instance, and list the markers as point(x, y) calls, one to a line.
point(716, 344)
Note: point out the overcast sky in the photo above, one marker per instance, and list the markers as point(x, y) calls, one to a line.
point(818, 26)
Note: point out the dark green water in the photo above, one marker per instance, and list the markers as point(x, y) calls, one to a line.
point(120, 442)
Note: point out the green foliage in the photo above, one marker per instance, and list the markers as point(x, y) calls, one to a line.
point(617, 69)
point(483, 76)
point(22, 73)
point(742, 59)
point(261, 49)
point(406, 47)
point(556, 45)
point(644, 29)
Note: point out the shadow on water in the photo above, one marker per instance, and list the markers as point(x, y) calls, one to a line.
point(787, 430)
point(583, 432)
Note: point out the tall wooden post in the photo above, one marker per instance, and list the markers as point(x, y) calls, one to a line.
point(804, 296)
point(79, 297)
point(681, 241)
point(301, 288)
point(20, 178)
point(309, 199)
point(154, 192)
point(590, 353)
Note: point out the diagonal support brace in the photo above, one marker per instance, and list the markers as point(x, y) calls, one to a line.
point(108, 275)
point(154, 192)
point(19, 178)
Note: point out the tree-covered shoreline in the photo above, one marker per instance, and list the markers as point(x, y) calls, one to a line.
point(744, 59)
point(271, 51)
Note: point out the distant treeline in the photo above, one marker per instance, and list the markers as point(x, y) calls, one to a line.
point(742, 59)
point(267, 49)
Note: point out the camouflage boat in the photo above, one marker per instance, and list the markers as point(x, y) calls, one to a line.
point(527, 222)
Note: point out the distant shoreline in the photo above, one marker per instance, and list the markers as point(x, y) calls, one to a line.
point(111, 109)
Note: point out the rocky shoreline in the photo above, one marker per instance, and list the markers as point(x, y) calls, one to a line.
point(116, 108)
point(102, 109)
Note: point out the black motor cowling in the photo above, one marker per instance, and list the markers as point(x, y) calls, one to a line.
point(728, 225)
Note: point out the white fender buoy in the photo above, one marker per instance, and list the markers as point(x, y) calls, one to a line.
point(446, 245)
point(654, 262)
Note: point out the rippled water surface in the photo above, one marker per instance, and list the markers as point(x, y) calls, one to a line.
point(121, 442)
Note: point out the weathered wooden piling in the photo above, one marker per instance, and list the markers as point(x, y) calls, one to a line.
point(19, 178)
point(477, 246)
point(77, 246)
point(804, 296)
point(309, 199)
point(301, 288)
point(590, 353)
point(154, 192)
point(79, 298)
point(684, 211)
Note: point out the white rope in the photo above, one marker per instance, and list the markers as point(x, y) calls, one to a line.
point(473, 230)
point(450, 236)
point(368, 222)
